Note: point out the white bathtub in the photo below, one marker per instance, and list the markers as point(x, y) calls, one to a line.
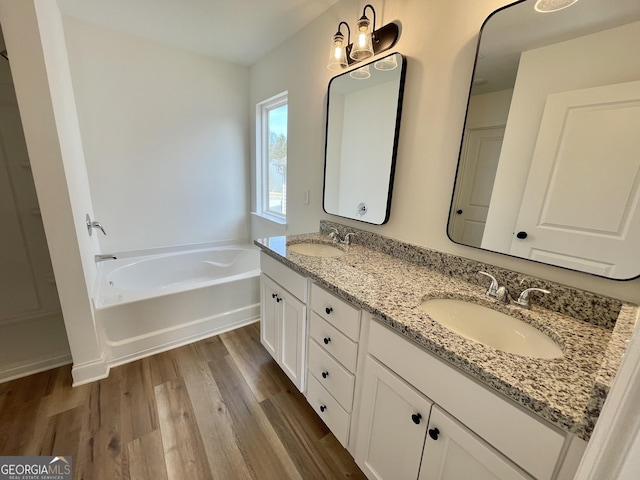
point(146, 305)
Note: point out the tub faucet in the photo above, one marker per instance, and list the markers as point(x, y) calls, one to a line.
point(495, 290)
point(100, 258)
point(335, 236)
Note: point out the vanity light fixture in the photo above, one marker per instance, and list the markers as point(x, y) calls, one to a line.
point(549, 6)
point(368, 41)
point(361, 73)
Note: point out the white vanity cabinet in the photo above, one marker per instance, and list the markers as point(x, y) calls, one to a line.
point(420, 418)
point(334, 329)
point(283, 318)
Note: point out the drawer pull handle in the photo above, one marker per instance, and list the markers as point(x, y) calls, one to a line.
point(326, 340)
point(325, 374)
point(328, 310)
point(323, 408)
point(433, 433)
point(416, 417)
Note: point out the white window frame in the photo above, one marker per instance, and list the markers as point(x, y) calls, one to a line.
point(262, 158)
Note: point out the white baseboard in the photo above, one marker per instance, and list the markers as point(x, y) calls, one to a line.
point(88, 372)
point(31, 367)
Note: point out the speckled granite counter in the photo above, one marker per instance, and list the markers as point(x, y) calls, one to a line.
point(568, 392)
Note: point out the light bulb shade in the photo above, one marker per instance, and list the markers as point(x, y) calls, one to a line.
point(338, 53)
point(549, 6)
point(386, 63)
point(361, 73)
point(362, 45)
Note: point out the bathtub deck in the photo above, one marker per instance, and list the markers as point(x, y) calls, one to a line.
point(218, 408)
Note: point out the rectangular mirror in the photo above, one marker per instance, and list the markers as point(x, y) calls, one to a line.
point(549, 166)
point(363, 120)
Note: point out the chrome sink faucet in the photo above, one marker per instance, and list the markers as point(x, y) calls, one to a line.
point(495, 290)
point(523, 299)
point(335, 237)
point(501, 294)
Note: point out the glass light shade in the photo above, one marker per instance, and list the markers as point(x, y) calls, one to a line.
point(338, 53)
point(361, 73)
point(387, 63)
point(362, 45)
point(548, 6)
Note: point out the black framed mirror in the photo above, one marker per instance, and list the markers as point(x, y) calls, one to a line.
point(549, 166)
point(364, 107)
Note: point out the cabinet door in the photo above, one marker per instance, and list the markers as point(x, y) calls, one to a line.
point(269, 316)
point(453, 452)
point(392, 425)
point(292, 337)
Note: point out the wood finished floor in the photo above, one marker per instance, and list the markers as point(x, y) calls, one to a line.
point(217, 409)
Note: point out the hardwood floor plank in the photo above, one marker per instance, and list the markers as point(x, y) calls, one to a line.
point(189, 413)
point(100, 449)
point(183, 450)
point(251, 358)
point(139, 411)
point(146, 457)
point(264, 454)
point(214, 422)
point(61, 435)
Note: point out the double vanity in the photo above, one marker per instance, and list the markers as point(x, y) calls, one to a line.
point(382, 339)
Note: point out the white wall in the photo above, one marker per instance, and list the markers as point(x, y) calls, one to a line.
point(165, 135)
point(34, 36)
point(439, 40)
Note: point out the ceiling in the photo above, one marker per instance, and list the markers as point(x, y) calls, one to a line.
point(236, 31)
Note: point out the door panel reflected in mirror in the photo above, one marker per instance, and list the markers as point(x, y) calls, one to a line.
point(549, 166)
point(363, 121)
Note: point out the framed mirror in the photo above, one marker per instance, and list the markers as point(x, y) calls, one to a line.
point(549, 166)
point(363, 121)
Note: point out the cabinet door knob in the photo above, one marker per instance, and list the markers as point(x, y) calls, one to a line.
point(274, 295)
point(522, 235)
point(325, 374)
point(416, 417)
point(328, 310)
point(433, 433)
point(278, 299)
point(326, 340)
point(323, 408)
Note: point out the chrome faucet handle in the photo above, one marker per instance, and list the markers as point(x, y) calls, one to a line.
point(347, 238)
point(492, 291)
point(91, 224)
point(334, 235)
point(523, 299)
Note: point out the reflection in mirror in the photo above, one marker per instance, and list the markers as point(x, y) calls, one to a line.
point(363, 121)
point(549, 166)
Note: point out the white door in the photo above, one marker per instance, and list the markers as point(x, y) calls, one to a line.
point(581, 198)
point(453, 452)
point(292, 337)
point(479, 161)
point(269, 316)
point(392, 425)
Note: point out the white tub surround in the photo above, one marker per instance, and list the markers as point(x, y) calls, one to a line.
point(146, 305)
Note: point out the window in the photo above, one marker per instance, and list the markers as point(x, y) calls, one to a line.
point(271, 157)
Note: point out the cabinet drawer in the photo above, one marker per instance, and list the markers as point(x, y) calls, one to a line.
point(333, 376)
point(328, 408)
point(287, 278)
point(334, 342)
point(336, 311)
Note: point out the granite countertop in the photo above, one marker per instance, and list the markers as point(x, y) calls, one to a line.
point(568, 392)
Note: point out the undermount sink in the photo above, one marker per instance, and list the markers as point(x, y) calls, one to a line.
point(491, 328)
point(316, 249)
